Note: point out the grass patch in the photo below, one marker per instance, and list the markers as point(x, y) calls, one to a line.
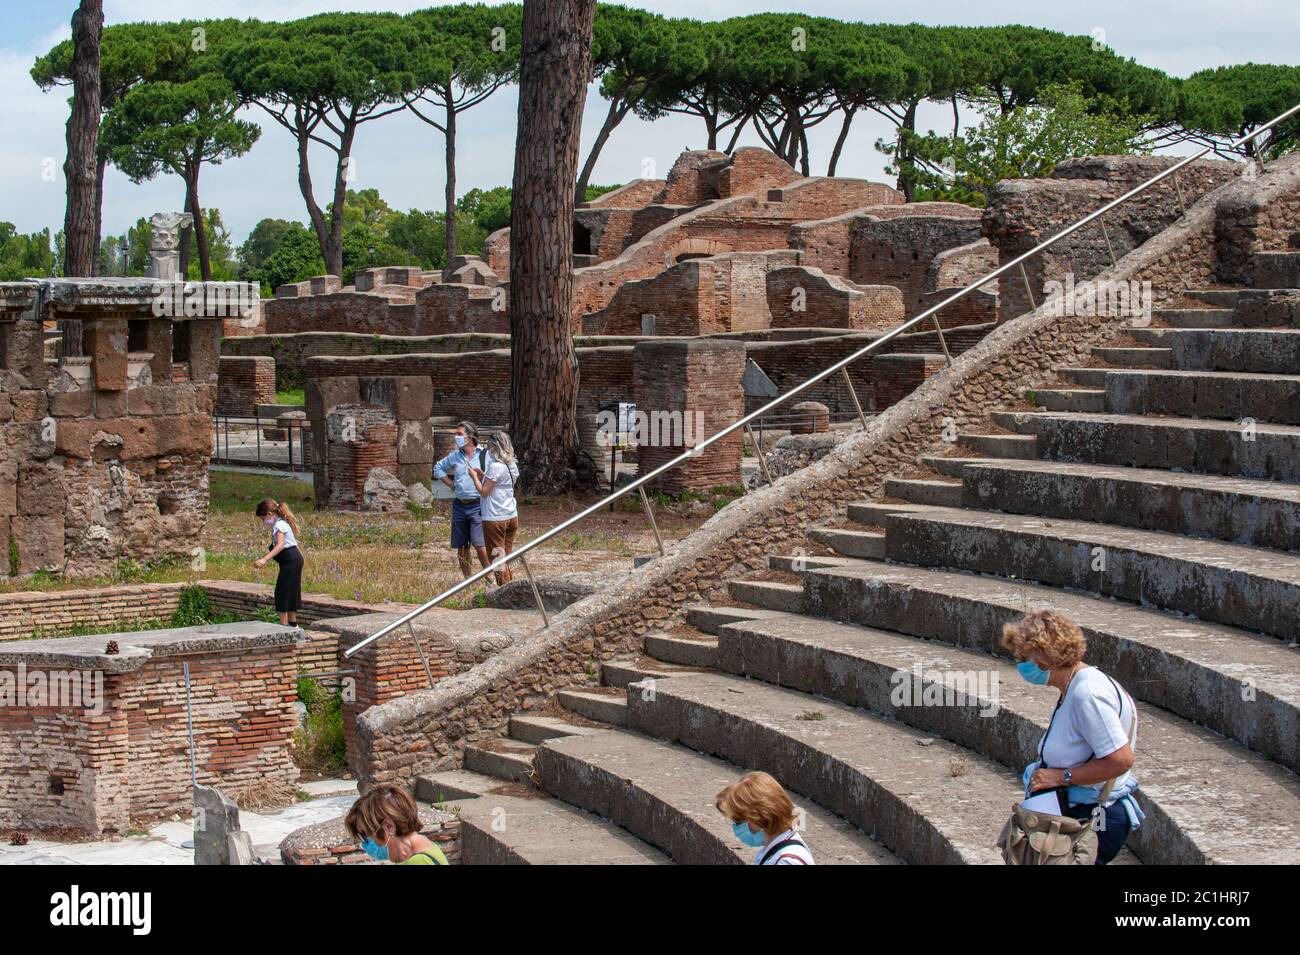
point(318, 743)
point(291, 396)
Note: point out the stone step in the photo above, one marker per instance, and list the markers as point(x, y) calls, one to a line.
point(1277, 270)
point(1068, 399)
point(980, 703)
point(950, 467)
point(506, 759)
point(680, 650)
point(1092, 378)
point(536, 729)
point(708, 618)
point(1268, 308)
point(664, 795)
point(1252, 350)
point(452, 785)
point(1236, 510)
point(1134, 357)
point(1227, 583)
point(875, 514)
point(1216, 297)
point(767, 594)
point(1000, 445)
point(619, 673)
point(501, 829)
point(925, 799)
point(1195, 317)
point(1241, 684)
point(924, 491)
point(1204, 394)
point(1208, 446)
point(798, 562)
point(850, 543)
point(594, 705)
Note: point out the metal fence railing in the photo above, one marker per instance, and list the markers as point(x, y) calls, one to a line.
point(281, 443)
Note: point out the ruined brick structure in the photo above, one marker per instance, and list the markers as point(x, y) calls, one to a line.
point(104, 458)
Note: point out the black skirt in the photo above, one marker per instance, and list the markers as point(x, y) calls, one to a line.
point(288, 585)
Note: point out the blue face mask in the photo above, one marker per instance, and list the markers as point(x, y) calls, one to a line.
point(460, 441)
point(375, 850)
point(748, 836)
point(1032, 672)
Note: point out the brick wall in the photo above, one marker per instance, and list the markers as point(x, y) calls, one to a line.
point(899, 251)
point(802, 296)
point(694, 385)
point(69, 766)
point(897, 376)
point(243, 384)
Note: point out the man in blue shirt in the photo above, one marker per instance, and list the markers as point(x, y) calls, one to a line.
point(466, 516)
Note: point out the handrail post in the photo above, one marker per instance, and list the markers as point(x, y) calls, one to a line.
point(649, 512)
point(854, 395)
point(1109, 248)
point(537, 596)
point(428, 673)
point(943, 342)
point(1179, 186)
point(1033, 306)
point(758, 449)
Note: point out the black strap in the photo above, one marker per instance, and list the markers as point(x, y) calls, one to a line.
point(792, 841)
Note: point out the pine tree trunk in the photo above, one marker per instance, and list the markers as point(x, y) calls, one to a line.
point(451, 177)
point(555, 64)
point(200, 230)
point(187, 233)
point(618, 108)
point(849, 112)
point(81, 218)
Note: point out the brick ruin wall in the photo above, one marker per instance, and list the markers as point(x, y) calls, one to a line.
point(104, 458)
point(68, 766)
point(243, 384)
point(428, 731)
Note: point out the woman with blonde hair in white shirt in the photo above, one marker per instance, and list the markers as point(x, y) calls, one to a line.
point(496, 486)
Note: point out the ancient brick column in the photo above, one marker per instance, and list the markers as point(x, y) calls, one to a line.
point(686, 390)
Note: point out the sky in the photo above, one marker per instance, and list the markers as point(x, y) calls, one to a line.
point(402, 157)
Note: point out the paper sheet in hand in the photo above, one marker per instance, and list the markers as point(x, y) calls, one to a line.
point(1048, 802)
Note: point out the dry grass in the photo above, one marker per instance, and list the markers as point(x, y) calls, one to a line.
point(403, 556)
point(262, 794)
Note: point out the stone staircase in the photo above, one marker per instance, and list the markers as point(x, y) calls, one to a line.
point(1153, 496)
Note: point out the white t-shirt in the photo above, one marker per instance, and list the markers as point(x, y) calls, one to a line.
point(1089, 723)
point(281, 526)
point(500, 504)
point(794, 854)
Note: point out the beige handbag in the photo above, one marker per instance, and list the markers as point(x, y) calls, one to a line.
point(1030, 837)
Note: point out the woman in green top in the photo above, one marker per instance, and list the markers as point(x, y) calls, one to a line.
point(387, 822)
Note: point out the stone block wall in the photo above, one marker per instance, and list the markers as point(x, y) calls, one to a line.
point(103, 458)
point(1022, 213)
point(243, 384)
point(689, 390)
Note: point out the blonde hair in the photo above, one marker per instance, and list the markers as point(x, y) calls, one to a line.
point(268, 506)
point(757, 799)
point(1051, 638)
point(382, 803)
point(500, 444)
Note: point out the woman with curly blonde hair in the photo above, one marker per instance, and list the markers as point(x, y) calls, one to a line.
point(1090, 740)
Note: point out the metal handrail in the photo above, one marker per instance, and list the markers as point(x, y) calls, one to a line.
point(744, 423)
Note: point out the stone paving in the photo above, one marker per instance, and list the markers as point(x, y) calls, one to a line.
point(162, 844)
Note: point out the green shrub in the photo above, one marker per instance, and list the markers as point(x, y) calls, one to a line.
point(318, 743)
point(193, 609)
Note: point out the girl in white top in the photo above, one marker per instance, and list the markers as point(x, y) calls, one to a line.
point(284, 550)
point(762, 817)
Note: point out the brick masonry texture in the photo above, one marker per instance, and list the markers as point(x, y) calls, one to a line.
point(98, 768)
point(428, 729)
point(244, 384)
